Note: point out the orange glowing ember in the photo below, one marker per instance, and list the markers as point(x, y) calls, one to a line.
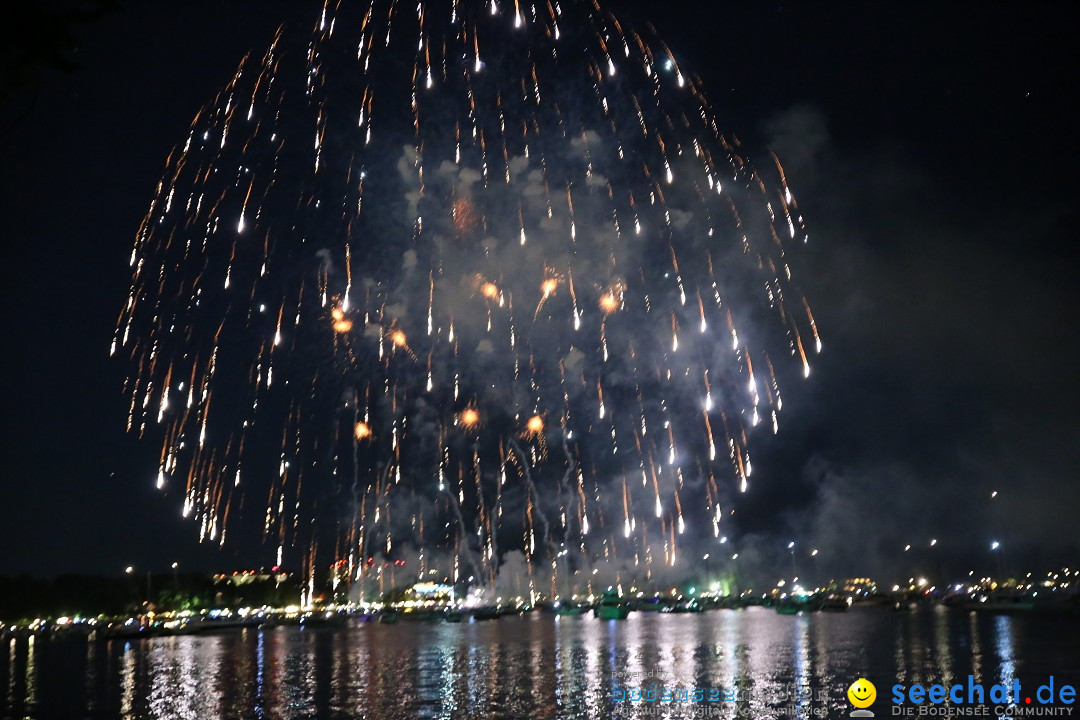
point(338, 314)
point(535, 425)
point(469, 417)
point(464, 216)
point(490, 290)
point(548, 286)
point(398, 338)
point(609, 303)
point(342, 326)
point(362, 431)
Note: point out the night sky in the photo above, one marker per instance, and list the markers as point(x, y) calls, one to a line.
point(932, 151)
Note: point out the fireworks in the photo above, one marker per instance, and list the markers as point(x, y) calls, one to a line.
point(341, 324)
point(524, 214)
point(362, 431)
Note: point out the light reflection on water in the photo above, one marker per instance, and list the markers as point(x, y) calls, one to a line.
point(532, 666)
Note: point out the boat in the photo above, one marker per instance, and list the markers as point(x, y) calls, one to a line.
point(486, 613)
point(790, 606)
point(324, 620)
point(611, 607)
point(453, 616)
point(569, 609)
point(653, 605)
point(833, 604)
point(1001, 604)
point(129, 630)
point(689, 606)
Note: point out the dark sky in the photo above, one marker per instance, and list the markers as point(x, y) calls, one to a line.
point(932, 150)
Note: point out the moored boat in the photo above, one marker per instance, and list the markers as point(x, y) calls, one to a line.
point(489, 612)
point(833, 603)
point(569, 609)
point(790, 606)
point(1001, 604)
point(611, 607)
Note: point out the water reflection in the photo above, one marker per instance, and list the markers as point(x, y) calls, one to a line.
point(942, 645)
point(127, 682)
point(1003, 626)
point(976, 648)
point(10, 670)
point(31, 670)
point(801, 677)
point(531, 666)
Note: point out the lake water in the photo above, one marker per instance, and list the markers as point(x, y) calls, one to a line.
point(539, 666)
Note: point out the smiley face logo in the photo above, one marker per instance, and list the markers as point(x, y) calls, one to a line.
point(862, 693)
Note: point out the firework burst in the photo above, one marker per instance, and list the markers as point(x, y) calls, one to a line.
point(473, 276)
